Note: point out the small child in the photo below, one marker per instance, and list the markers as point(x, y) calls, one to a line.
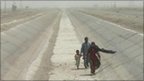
point(77, 58)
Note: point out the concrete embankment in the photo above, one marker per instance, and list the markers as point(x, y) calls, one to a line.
point(16, 41)
point(127, 63)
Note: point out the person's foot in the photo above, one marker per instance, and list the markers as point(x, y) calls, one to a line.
point(86, 67)
point(92, 73)
point(77, 67)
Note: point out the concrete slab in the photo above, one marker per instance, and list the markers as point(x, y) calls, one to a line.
point(128, 44)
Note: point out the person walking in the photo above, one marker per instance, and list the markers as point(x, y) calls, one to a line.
point(77, 58)
point(84, 51)
point(94, 55)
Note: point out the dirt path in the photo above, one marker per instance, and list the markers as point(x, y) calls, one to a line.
point(64, 51)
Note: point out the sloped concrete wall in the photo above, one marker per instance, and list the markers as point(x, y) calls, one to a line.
point(127, 63)
point(16, 40)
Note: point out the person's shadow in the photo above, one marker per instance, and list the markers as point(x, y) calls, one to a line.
point(78, 69)
point(86, 75)
point(91, 74)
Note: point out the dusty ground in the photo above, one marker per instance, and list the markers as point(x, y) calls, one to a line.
point(46, 66)
point(49, 55)
point(9, 16)
point(36, 57)
point(11, 19)
point(131, 18)
point(114, 67)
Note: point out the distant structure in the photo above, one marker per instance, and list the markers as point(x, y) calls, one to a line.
point(26, 7)
point(115, 5)
point(5, 6)
point(21, 4)
point(14, 7)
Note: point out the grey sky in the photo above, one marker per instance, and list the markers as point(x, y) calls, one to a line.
point(35, 4)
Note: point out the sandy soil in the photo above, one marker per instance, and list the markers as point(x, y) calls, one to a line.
point(46, 66)
point(86, 25)
point(64, 50)
point(51, 56)
point(129, 18)
point(36, 57)
point(12, 19)
point(9, 16)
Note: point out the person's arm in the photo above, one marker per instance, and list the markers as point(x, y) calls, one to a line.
point(82, 48)
point(107, 51)
point(75, 57)
point(88, 52)
point(99, 56)
point(81, 55)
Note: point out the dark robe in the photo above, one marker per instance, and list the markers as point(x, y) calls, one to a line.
point(95, 57)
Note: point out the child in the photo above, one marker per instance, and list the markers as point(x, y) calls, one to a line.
point(77, 58)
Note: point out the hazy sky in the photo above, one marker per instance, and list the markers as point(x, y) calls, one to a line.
point(35, 4)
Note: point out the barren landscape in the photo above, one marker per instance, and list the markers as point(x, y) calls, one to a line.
point(40, 44)
point(131, 18)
